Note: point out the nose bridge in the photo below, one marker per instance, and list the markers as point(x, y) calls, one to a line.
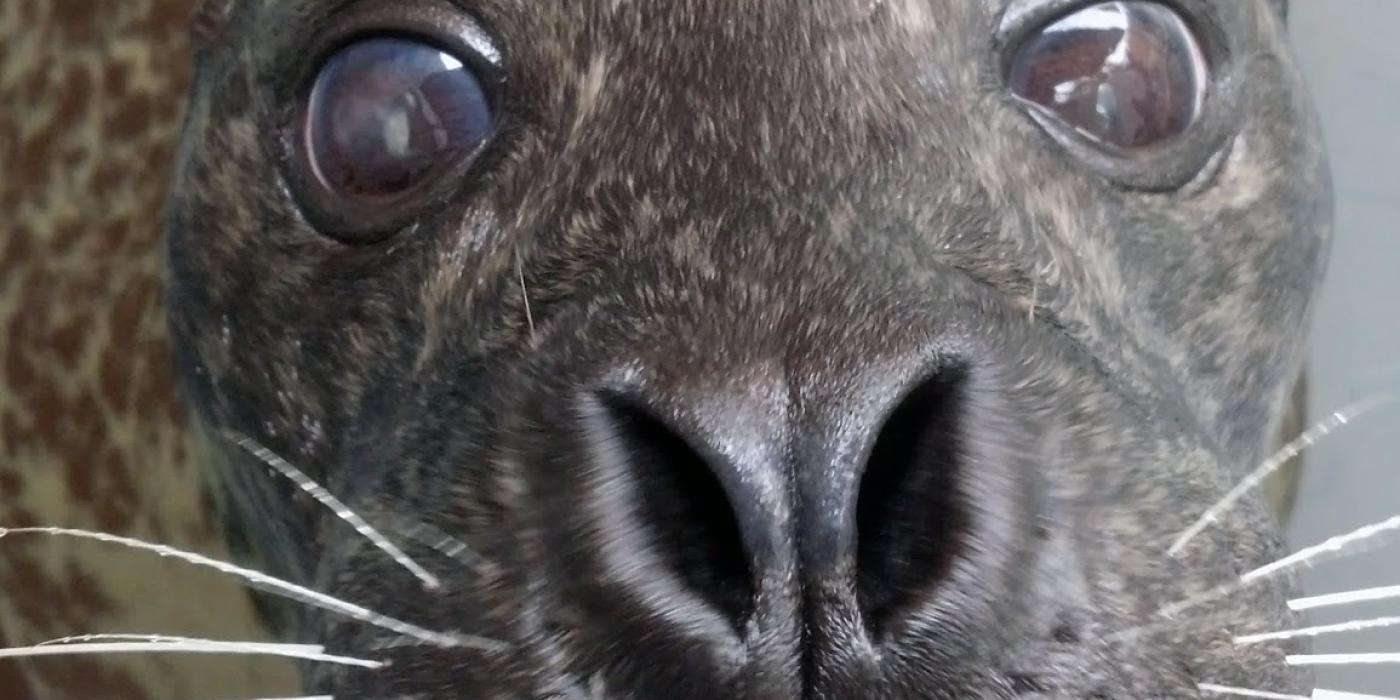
point(787, 418)
point(787, 438)
point(840, 413)
point(737, 414)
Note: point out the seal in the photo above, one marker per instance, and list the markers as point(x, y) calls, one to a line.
point(754, 349)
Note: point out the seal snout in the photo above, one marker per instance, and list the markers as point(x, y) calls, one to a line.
point(787, 522)
point(731, 497)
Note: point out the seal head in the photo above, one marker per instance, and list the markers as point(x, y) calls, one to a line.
point(793, 348)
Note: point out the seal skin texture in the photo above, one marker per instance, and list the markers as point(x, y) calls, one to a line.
point(768, 350)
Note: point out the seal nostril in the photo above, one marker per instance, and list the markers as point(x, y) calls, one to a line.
point(684, 507)
point(909, 515)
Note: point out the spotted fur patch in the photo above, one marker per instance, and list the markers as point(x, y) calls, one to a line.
point(90, 424)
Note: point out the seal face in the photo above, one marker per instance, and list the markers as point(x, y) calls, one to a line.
point(756, 349)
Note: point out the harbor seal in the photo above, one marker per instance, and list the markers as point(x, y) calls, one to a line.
point(758, 349)
point(755, 350)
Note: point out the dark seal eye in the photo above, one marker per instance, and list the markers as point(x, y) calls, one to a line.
point(1129, 76)
point(385, 116)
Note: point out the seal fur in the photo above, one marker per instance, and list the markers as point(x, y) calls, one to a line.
point(763, 200)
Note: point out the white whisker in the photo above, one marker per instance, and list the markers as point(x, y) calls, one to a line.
point(1318, 694)
point(1339, 546)
point(327, 499)
point(1214, 689)
point(273, 585)
point(1339, 628)
point(1329, 600)
point(157, 638)
point(301, 697)
point(1341, 659)
point(171, 645)
point(1276, 461)
point(524, 294)
point(1342, 695)
point(440, 542)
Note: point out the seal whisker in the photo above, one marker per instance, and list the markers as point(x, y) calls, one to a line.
point(1318, 694)
point(1317, 631)
point(142, 637)
point(1342, 659)
point(302, 697)
point(524, 294)
point(327, 499)
point(439, 541)
point(1353, 542)
point(1344, 545)
point(1254, 479)
point(1221, 619)
point(1361, 595)
point(1230, 691)
point(160, 644)
point(275, 586)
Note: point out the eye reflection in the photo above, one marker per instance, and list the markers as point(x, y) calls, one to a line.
point(1129, 76)
point(387, 113)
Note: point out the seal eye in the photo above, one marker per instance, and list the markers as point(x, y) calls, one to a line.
point(386, 115)
point(1127, 76)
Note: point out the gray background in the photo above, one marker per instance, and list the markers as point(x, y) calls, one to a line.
point(1350, 53)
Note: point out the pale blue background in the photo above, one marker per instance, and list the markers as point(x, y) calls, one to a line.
point(1350, 53)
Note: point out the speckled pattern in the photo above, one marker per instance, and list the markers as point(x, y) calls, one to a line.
point(91, 431)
